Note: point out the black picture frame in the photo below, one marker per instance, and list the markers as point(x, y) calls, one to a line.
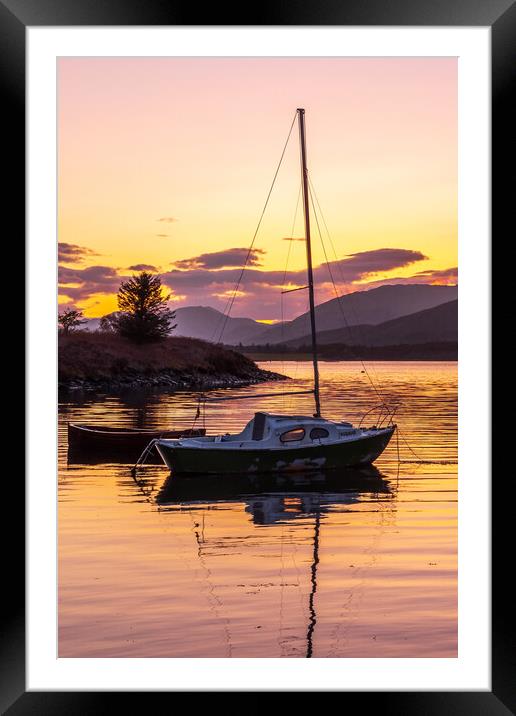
point(500, 16)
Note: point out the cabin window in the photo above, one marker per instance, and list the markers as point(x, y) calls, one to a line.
point(291, 435)
point(316, 433)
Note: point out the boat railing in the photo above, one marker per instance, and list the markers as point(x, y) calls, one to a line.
point(385, 415)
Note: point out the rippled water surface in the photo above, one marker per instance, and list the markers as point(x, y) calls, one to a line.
point(359, 564)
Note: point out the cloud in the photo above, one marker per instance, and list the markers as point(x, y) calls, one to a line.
point(162, 236)
point(449, 274)
point(209, 279)
point(220, 280)
point(168, 219)
point(142, 267)
point(215, 270)
point(72, 253)
point(359, 265)
point(442, 277)
point(222, 259)
point(201, 279)
point(79, 284)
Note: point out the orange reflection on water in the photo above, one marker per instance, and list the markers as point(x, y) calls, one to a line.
point(357, 565)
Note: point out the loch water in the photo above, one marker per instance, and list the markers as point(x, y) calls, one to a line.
point(357, 564)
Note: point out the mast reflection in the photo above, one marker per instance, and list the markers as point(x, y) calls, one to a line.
point(278, 499)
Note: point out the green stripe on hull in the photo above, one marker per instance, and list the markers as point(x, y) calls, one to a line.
point(208, 461)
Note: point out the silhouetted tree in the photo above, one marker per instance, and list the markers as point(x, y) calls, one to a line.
point(144, 314)
point(69, 320)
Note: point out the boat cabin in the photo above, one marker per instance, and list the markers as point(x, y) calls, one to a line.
point(267, 430)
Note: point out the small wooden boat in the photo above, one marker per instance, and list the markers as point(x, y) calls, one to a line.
point(102, 437)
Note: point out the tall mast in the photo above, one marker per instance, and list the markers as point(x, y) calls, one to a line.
point(304, 178)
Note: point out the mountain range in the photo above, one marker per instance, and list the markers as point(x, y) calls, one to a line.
point(374, 313)
point(438, 324)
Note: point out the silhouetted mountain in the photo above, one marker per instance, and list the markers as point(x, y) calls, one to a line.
point(433, 325)
point(361, 307)
point(92, 324)
point(207, 323)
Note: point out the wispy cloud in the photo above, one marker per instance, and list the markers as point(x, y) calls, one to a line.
point(222, 259)
point(216, 269)
point(450, 274)
point(447, 277)
point(72, 253)
point(80, 284)
point(143, 267)
point(209, 278)
point(356, 267)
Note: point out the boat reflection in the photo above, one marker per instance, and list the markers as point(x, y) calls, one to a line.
point(274, 498)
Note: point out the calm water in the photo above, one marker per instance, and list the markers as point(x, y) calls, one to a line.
point(361, 564)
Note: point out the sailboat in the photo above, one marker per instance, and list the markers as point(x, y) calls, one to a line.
point(279, 443)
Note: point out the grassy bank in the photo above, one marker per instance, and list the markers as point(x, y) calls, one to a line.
point(109, 362)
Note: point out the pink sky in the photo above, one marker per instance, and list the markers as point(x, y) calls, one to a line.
point(165, 160)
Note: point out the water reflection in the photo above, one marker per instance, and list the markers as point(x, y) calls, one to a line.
point(360, 563)
point(275, 498)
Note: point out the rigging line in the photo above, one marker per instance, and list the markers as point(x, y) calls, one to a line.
point(291, 235)
point(286, 267)
point(288, 255)
point(198, 410)
point(297, 360)
point(406, 443)
point(338, 299)
point(257, 229)
point(339, 268)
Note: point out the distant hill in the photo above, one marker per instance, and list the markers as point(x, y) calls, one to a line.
point(361, 308)
point(433, 325)
point(372, 307)
point(92, 324)
point(206, 323)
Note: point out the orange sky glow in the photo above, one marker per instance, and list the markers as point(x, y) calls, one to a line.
point(165, 163)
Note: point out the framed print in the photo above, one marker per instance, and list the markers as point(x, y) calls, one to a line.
point(259, 452)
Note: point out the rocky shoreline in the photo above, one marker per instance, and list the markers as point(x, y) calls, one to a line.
point(173, 380)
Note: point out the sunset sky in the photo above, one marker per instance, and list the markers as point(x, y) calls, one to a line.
point(165, 164)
